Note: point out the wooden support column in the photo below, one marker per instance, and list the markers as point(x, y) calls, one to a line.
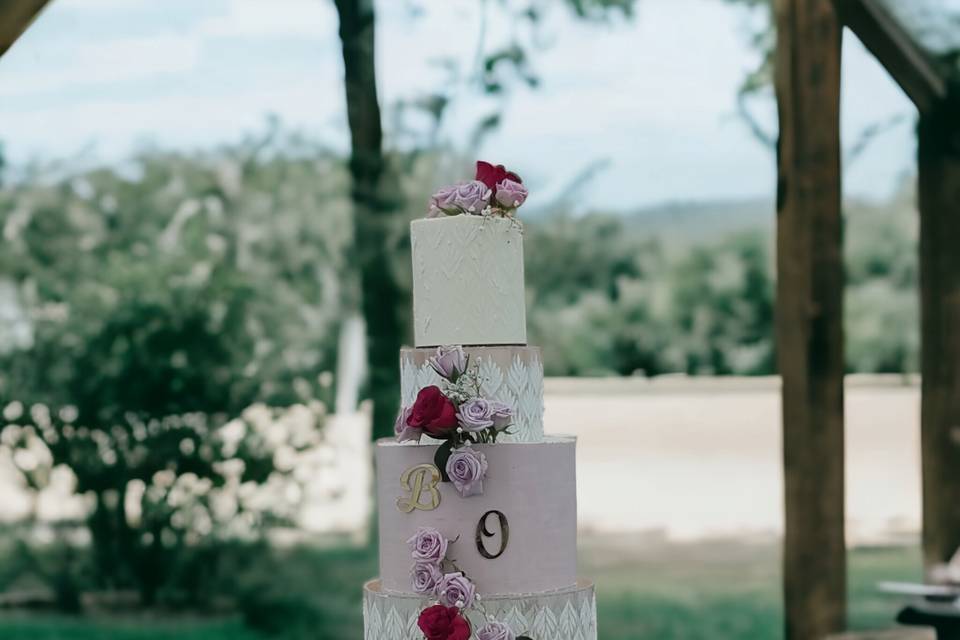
point(15, 17)
point(810, 316)
point(939, 203)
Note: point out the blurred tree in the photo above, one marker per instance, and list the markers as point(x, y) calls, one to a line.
point(757, 86)
point(377, 198)
point(164, 299)
point(610, 299)
point(373, 209)
point(723, 306)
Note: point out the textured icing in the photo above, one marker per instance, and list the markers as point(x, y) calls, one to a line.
point(468, 281)
point(532, 484)
point(569, 614)
point(513, 375)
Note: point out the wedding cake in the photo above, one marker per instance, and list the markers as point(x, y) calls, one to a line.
point(477, 508)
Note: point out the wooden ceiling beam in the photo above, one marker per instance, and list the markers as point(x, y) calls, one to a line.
point(883, 35)
point(15, 17)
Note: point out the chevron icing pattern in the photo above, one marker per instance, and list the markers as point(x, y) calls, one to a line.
point(563, 615)
point(468, 282)
point(520, 386)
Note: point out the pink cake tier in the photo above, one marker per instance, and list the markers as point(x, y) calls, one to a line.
point(518, 537)
point(510, 374)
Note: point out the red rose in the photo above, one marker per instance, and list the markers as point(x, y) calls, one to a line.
point(443, 623)
point(433, 412)
point(492, 175)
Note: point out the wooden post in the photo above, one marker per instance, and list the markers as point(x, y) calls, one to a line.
point(810, 316)
point(939, 203)
point(15, 17)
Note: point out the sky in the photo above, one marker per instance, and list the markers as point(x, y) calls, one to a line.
point(652, 98)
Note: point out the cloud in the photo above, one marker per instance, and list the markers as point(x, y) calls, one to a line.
point(255, 18)
point(103, 62)
point(116, 126)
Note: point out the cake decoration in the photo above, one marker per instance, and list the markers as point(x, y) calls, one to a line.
point(494, 191)
point(417, 480)
point(466, 468)
point(460, 416)
point(454, 592)
point(482, 544)
point(483, 532)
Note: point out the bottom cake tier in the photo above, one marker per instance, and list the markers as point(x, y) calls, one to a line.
point(567, 614)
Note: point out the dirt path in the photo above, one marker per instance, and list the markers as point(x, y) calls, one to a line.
point(689, 458)
point(694, 459)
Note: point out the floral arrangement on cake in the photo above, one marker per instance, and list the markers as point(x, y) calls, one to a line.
point(435, 575)
point(460, 416)
point(494, 191)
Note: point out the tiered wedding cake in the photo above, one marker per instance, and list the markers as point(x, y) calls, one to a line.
point(477, 507)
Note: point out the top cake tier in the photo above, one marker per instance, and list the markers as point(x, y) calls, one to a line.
point(468, 281)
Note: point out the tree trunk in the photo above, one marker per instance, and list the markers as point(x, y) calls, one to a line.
point(939, 204)
point(372, 212)
point(810, 316)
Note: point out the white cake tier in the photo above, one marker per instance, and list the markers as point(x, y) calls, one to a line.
point(512, 375)
point(468, 281)
point(519, 536)
point(567, 614)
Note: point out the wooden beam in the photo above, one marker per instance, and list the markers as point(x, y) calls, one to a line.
point(809, 319)
point(884, 36)
point(939, 204)
point(15, 17)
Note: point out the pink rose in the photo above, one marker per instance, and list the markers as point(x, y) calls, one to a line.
point(428, 545)
point(466, 469)
point(475, 415)
point(425, 577)
point(402, 430)
point(495, 631)
point(511, 194)
point(473, 197)
point(456, 590)
point(501, 414)
point(449, 362)
point(443, 202)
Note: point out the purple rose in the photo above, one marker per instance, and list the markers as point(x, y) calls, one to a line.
point(428, 545)
point(402, 430)
point(511, 194)
point(501, 414)
point(455, 590)
point(467, 468)
point(444, 202)
point(473, 197)
point(495, 631)
point(425, 577)
point(449, 362)
point(475, 415)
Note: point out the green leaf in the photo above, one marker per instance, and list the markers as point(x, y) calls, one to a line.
point(440, 459)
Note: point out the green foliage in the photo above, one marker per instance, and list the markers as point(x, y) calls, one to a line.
point(608, 299)
point(66, 628)
point(882, 319)
point(164, 299)
point(171, 303)
point(614, 295)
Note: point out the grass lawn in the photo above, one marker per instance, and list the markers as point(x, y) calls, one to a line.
point(647, 588)
point(721, 589)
